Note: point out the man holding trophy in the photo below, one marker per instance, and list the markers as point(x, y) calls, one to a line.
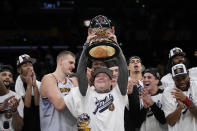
point(97, 107)
point(101, 45)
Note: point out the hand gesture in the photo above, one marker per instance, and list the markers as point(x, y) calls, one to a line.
point(6, 102)
point(111, 36)
point(29, 77)
point(178, 94)
point(146, 97)
point(181, 105)
point(34, 79)
point(13, 103)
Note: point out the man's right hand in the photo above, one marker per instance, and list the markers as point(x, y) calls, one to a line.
point(90, 37)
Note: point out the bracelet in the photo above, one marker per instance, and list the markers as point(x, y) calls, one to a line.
point(187, 102)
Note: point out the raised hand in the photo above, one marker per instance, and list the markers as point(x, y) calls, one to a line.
point(90, 37)
point(111, 35)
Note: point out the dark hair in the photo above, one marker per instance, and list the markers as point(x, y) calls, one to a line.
point(7, 68)
point(134, 57)
point(155, 73)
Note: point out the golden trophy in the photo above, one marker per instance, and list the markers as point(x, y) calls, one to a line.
point(101, 47)
point(82, 122)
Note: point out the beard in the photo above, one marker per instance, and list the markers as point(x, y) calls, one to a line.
point(186, 88)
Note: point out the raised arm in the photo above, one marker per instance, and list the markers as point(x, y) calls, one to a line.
point(81, 71)
point(123, 73)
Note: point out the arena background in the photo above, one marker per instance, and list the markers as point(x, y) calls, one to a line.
point(147, 28)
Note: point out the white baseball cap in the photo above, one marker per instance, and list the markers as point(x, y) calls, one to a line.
point(178, 69)
point(176, 51)
point(25, 58)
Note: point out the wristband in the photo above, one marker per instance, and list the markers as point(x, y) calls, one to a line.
point(187, 102)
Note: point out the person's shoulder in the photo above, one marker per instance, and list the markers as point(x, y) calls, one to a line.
point(47, 77)
point(168, 90)
point(167, 76)
point(193, 69)
point(193, 84)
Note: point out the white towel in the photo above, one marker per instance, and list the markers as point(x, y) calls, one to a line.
point(19, 87)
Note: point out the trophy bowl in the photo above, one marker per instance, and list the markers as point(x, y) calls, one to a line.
point(102, 47)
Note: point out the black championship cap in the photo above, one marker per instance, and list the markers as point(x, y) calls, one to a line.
point(103, 70)
point(155, 73)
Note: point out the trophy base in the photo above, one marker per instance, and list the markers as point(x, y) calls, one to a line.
point(102, 50)
point(86, 129)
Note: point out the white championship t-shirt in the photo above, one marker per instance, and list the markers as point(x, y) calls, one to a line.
point(151, 123)
point(186, 122)
point(6, 115)
point(105, 110)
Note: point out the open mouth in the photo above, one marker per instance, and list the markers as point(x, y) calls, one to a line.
point(6, 82)
point(136, 67)
point(146, 84)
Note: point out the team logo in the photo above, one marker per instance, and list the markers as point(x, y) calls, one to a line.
point(176, 51)
point(178, 70)
point(82, 122)
point(63, 90)
point(111, 107)
point(104, 104)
